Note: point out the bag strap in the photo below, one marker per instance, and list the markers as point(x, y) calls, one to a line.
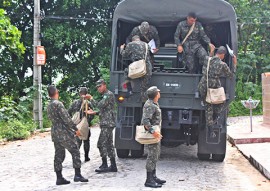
point(86, 106)
point(143, 34)
point(146, 49)
point(208, 63)
point(189, 33)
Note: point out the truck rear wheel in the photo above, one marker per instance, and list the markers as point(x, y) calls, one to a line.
point(203, 156)
point(122, 153)
point(218, 157)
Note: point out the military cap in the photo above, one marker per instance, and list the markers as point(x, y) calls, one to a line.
point(83, 90)
point(144, 27)
point(192, 15)
point(100, 82)
point(221, 50)
point(152, 92)
point(135, 37)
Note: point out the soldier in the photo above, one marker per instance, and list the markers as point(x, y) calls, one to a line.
point(192, 48)
point(63, 133)
point(134, 51)
point(152, 116)
point(75, 107)
point(217, 68)
point(146, 33)
point(107, 118)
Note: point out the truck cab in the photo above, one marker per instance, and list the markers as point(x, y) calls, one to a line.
point(183, 114)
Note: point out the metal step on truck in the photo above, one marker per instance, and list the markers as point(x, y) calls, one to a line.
point(183, 115)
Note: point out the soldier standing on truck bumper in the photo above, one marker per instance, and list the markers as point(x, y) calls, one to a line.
point(146, 33)
point(63, 134)
point(134, 51)
point(107, 119)
point(152, 116)
point(192, 47)
point(217, 68)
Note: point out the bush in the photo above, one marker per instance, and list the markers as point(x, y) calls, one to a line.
point(243, 92)
point(15, 129)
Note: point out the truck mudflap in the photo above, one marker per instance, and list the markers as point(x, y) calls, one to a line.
point(212, 143)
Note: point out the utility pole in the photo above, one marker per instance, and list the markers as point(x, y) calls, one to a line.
point(37, 80)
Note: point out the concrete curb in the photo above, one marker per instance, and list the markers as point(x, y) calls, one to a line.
point(247, 140)
point(259, 166)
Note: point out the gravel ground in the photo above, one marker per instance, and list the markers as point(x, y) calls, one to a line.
point(28, 165)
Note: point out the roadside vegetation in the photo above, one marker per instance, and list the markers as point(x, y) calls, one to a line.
point(79, 52)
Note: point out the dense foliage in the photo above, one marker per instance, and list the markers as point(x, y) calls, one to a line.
point(76, 35)
point(254, 51)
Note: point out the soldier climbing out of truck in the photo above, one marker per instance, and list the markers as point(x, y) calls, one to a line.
point(134, 51)
point(187, 37)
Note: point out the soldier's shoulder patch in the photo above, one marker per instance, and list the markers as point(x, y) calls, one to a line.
point(105, 96)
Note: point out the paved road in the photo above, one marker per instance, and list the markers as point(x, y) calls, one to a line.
point(28, 165)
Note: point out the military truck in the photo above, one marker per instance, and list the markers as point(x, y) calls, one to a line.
point(183, 115)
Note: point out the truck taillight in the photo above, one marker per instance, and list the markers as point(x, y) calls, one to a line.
point(121, 99)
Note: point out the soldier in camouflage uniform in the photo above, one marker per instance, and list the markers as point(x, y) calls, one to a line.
point(107, 119)
point(152, 116)
point(192, 47)
point(134, 51)
point(146, 33)
point(217, 68)
point(63, 134)
point(76, 107)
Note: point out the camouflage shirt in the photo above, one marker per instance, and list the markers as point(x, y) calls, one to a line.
point(217, 68)
point(151, 114)
point(152, 34)
point(76, 106)
point(136, 51)
point(62, 125)
point(196, 36)
point(106, 106)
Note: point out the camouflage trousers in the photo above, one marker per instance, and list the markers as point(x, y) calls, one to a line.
point(212, 112)
point(145, 82)
point(152, 157)
point(86, 144)
point(190, 59)
point(60, 154)
point(105, 142)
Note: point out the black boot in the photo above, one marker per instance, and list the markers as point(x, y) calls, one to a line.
point(156, 179)
point(86, 147)
point(78, 177)
point(60, 179)
point(150, 182)
point(113, 167)
point(104, 166)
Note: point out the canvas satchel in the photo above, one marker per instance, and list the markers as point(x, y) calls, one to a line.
point(137, 69)
point(76, 118)
point(144, 137)
point(214, 95)
point(83, 126)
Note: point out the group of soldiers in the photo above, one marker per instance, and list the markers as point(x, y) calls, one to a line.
point(190, 39)
point(65, 133)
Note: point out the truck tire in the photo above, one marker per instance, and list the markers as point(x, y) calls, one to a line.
point(122, 153)
point(218, 157)
point(137, 153)
point(203, 156)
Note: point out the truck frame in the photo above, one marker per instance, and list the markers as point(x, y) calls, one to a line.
point(183, 115)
